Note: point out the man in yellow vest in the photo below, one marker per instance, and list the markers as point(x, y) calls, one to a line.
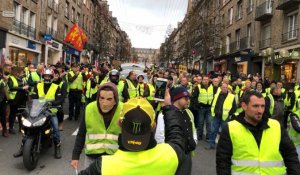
point(275, 105)
point(131, 85)
point(49, 91)
point(35, 77)
point(98, 131)
point(255, 144)
point(114, 77)
point(222, 108)
point(204, 95)
point(75, 80)
point(138, 152)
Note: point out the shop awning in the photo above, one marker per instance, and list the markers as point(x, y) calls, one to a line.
point(24, 48)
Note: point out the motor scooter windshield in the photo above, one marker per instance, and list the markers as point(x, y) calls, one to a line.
point(35, 106)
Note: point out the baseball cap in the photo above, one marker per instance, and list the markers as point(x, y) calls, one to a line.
point(178, 93)
point(138, 119)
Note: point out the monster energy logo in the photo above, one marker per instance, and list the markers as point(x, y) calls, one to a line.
point(136, 127)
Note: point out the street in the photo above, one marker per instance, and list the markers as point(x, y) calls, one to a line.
point(203, 161)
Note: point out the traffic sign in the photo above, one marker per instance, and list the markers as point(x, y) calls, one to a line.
point(8, 14)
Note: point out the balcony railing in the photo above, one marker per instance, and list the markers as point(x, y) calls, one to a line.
point(265, 43)
point(291, 35)
point(287, 4)
point(50, 4)
point(23, 29)
point(264, 11)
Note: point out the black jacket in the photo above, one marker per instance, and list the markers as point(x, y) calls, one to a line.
point(224, 149)
point(295, 121)
point(173, 136)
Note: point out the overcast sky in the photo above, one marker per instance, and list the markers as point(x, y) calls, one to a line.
point(146, 21)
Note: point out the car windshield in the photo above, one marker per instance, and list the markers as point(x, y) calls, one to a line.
point(35, 106)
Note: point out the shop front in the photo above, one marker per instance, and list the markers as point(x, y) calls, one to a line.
point(283, 65)
point(71, 55)
point(22, 51)
point(220, 66)
point(2, 45)
point(53, 52)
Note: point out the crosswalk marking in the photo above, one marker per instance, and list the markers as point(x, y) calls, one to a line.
point(75, 132)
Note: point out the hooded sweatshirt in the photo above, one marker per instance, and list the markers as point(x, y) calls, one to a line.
point(80, 139)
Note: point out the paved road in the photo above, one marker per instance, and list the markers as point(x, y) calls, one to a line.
point(203, 162)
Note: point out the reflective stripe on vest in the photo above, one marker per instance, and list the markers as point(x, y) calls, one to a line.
point(205, 96)
point(162, 159)
point(12, 94)
point(272, 104)
point(100, 139)
point(248, 158)
point(77, 83)
point(294, 135)
point(132, 90)
point(227, 105)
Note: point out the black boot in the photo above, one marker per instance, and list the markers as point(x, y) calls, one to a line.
point(19, 153)
point(57, 153)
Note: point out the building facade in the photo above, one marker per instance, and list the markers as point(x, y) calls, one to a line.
point(33, 31)
point(243, 36)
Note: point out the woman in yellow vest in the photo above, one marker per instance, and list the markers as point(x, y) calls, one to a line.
point(99, 130)
point(139, 153)
point(255, 144)
point(18, 91)
point(142, 87)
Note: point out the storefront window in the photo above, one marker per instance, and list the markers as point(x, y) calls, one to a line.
point(289, 71)
point(242, 67)
point(21, 57)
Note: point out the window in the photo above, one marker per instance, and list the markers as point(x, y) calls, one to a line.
point(24, 15)
point(65, 31)
point(83, 22)
point(249, 35)
point(269, 6)
point(67, 9)
point(250, 6)
point(228, 40)
point(230, 15)
point(239, 10)
point(49, 24)
point(292, 26)
point(54, 25)
point(238, 38)
point(77, 18)
point(84, 2)
point(17, 11)
point(265, 36)
point(32, 20)
point(73, 14)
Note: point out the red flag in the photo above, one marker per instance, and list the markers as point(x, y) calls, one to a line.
point(72, 33)
point(77, 37)
point(83, 36)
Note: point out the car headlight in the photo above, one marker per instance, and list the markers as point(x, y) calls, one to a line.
point(40, 122)
point(25, 122)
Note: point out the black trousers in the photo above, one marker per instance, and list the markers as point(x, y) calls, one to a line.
point(185, 168)
point(74, 104)
point(60, 115)
point(3, 105)
point(12, 115)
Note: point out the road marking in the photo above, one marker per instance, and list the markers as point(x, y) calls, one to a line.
point(66, 116)
point(75, 132)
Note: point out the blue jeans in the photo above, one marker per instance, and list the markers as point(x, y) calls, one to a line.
point(215, 126)
point(56, 133)
point(298, 151)
point(204, 116)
